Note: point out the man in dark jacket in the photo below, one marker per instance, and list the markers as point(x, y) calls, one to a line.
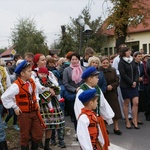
point(89, 52)
point(16, 58)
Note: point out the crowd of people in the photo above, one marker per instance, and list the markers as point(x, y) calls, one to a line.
point(39, 91)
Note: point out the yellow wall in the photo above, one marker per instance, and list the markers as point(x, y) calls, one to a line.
point(142, 38)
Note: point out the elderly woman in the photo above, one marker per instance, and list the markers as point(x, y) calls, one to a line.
point(95, 61)
point(53, 120)
point(128, 84)
point(72, 81)
point(111, 94)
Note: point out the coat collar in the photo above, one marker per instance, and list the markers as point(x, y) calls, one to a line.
point(23, 84)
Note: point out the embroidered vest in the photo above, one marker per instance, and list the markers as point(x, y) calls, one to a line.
point(92, 128)
point(85, 87)
point(25, 101)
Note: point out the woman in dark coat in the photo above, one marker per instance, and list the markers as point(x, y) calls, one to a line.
point(138, 60)
point(128, 84)
point(111, 91)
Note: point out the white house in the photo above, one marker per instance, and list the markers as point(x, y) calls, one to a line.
point(137, 38)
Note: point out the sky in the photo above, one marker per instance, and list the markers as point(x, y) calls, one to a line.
point(48, 15)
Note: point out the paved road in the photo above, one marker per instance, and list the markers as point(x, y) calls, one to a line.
point(133, 139)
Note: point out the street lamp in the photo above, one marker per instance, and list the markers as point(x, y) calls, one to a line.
point(83, 28)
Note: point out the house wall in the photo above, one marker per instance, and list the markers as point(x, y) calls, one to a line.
point(110, 44)
point(6, 58)
point(135, 41)
point(143, 38)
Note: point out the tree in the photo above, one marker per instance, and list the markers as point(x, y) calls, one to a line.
point(127, 13)
point(27, 38)
point(2, 50)
point(70, 39)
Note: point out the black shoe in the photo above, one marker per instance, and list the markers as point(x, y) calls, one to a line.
point(46, 147)
point(53, 142)
point(41, 145)
point(24, 147)
point(147, 118)
point(141, 123)
point(135, 127)
point(117, 132)
point(34, 146)
point(62, 144)
point(128, 127)
point(3, 145)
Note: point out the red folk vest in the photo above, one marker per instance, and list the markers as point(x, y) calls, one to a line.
point(93, 128)
point(25, 101)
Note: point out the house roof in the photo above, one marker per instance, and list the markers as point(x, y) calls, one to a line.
point(7, 52)
point(139, 28)
point(54, 51)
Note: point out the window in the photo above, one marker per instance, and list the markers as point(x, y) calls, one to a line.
point(110, 51)
point(149, 48)
point(106, 51)
point(145, 48)
point(115, 50)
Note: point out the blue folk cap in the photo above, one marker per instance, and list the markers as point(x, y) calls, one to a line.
point(87, 95)
point(21, 66)
point(90, 71)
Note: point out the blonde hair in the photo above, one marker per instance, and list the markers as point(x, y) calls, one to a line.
point(61, 60)
point(48, 57)
point(93, 58)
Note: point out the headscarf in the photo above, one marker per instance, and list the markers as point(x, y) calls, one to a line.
point(35, 60)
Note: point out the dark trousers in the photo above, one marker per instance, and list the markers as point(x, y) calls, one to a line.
point(2, 131)
point(147, 99)
point(60, 134)
point(10, 114)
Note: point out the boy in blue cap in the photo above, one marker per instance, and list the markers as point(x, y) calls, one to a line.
point(88, 129)
point(25, 106)
point(103, 110)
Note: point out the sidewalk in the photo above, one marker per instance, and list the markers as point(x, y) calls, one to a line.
point(70, 140)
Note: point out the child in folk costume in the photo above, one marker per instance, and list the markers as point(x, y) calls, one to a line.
point(103, 110)
point(88, 129)
point(42, 75)
point(25, 106)
point(49, 103)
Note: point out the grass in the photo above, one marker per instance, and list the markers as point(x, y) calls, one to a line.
point(12, 136)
